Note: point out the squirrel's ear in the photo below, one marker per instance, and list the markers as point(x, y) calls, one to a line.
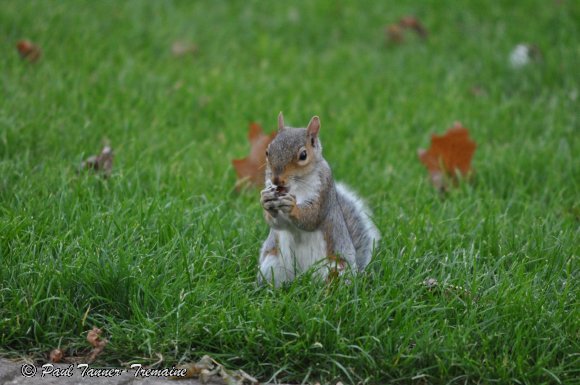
point(313, 127)
point(280, 121)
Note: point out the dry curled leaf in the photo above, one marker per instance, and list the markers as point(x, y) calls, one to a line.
point(181, 48)
point(251, 170)
point(413, 23)
point(194, 369)
point(102, 163)
point(430, 283)
point(448, 155)
point(28, 51)
point(98, 343)
point(56, 356)
point(396, 32)
point(477, 91)
point(207, 368)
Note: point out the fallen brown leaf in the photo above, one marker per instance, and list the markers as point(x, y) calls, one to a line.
point(250, 170)
point(477, 91)
point(28, 51)
point(413, 23)
point(396, 32)
point(102, 163)
point(98, 343)
point(207, 368)
point(430, 283)
point(448, 155)
point(56, 355)
point(194, 369)
point(181, 48)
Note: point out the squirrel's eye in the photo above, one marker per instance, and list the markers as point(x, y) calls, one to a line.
point(267, 153)
point(302, 155)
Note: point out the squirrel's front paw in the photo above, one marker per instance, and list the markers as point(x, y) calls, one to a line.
point(267, 196)
point(274, 202)
point(286, 203)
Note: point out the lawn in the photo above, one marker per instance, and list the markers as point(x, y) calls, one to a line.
point(163, 254)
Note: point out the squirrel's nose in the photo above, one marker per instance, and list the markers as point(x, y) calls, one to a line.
point(278, 181)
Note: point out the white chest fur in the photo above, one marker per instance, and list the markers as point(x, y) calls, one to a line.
point(300, 250)
point(305, 188)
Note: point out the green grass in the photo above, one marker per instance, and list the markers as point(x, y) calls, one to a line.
point(163, 255)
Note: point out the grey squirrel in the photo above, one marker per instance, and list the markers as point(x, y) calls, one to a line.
point(313, 220)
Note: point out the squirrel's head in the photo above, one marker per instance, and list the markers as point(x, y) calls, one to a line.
point(294, 153)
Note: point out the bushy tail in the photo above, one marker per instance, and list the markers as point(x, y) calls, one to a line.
point(363, 232)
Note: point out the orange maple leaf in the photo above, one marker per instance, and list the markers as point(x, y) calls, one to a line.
point(448, 155)
point(396, 32)
point(250, 170)
point(414, 24)
point(28, 51)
